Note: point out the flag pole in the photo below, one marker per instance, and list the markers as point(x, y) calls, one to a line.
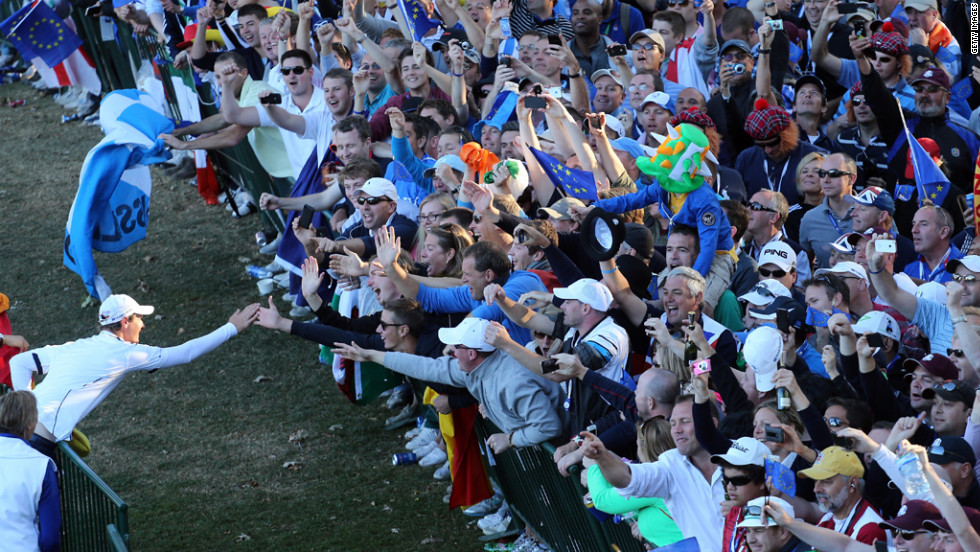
point(919, 186)
point(22, 19)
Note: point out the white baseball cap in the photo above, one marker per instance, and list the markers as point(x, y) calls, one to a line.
point(762, 351)
point(845, 267)
point(933, 291)
point(755, 509)
point(469, 334)
point(744, 451)
point(778, 253)
point(879, 322)
point(379, 187)
point(765, 292)
point(971, 262)
point(117, 307)
point(452, 160)
point(592, 293)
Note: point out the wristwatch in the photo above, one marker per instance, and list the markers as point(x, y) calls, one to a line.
point(955, 321)
point(577, 75)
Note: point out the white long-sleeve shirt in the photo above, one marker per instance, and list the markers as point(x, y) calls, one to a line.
point(694, 502)
point(80, 374)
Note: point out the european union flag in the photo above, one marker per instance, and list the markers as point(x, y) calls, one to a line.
point(36, 31)
point(575, 183)
point(783, 478)
point(930, 181)
point(415, 17)
point(958, 96)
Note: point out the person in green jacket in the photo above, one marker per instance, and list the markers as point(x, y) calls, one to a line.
point(650, 515)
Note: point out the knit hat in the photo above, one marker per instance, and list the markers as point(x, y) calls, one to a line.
point(767, 121)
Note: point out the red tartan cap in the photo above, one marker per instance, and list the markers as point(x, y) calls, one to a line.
point(694, 116)
point(766, 121)
point(891, 44)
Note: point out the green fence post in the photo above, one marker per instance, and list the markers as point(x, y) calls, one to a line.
point(88, 506)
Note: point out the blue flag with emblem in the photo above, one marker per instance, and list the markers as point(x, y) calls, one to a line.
point(930, 181)
point(36, 31)
point(574, 182)
point(958, 96)
point(111, 207)
point(415, 17)
point(783, 478)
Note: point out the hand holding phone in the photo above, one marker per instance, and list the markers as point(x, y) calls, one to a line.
point(886, 246)
point(549, 365)
point(701, 367)
point(272, 99)
point(306, 219)
point(774, 434)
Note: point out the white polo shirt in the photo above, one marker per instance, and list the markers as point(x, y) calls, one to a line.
point(80, 374)
point(297, 147)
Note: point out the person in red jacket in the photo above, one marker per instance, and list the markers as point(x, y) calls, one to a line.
point(839, 488)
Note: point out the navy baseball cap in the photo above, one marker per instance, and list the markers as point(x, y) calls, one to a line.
point(875, 197)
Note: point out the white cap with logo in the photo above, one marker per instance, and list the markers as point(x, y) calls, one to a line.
point(879, 322)
point(117, 307)
point(744, 451)
point(755, 509)
point(468, 334)
point(592, 293)
point(778, 253)
point(379, 187)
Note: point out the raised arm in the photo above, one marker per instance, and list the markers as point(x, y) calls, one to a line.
point(884, 281)
point(517, 313)
point(763, 74)
point(818, 50)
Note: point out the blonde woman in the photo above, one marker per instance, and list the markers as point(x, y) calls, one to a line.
point(808, 186)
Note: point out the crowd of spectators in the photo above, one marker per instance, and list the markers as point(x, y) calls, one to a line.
point(832, 292)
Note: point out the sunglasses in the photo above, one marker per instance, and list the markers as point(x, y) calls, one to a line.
point(738, 481)
point(387, 325)
point(766, 273)
point(946, 385)
point(647, 46)
point(858, 101)
point(757, 207)
point(833, 173)
point(906, 535)
point(371, 200)
point(969, 278)
point(763, 291)
point(955, 353)
point(835, 422)
point(298, 70)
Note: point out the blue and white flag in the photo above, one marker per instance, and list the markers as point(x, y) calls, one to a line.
point(111, 208)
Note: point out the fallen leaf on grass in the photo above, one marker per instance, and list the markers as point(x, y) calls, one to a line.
point(298, 436)
point(431, 540)
point(292, 465)
point(243, 537)
point(335, 427)
point(180, 331)
point(386, 508)
point(260, 379)
point(395, 530)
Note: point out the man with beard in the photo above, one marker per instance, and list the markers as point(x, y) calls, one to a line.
point(839, 488)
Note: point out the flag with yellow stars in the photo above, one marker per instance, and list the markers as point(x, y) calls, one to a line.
point(416, 18)
point(36, 31)
point(574, 182)
point(930, 181)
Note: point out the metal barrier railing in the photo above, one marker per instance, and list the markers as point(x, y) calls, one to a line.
point(88, 507)
point(550, 504)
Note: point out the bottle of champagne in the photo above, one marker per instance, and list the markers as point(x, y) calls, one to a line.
point(783, 399)
point(690, 348)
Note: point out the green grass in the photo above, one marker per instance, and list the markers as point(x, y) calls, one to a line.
point(197, 450)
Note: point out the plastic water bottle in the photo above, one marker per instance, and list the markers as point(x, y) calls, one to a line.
point(259, 272)
point(916, 486)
